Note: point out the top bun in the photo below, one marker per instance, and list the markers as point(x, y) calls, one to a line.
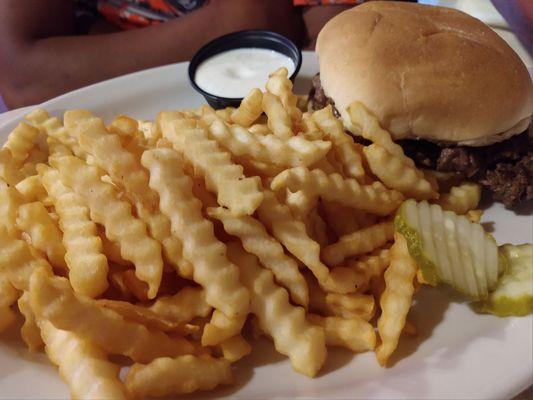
point(426, 72)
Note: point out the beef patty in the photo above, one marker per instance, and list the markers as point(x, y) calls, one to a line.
point(504, 169)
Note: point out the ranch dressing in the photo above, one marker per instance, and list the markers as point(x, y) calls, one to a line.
point(234, 73)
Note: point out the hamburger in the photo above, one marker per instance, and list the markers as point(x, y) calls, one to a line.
point(449, 90)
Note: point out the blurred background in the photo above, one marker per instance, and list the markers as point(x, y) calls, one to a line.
point(511, 19)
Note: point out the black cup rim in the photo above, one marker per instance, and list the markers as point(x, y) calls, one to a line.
point(211, 48)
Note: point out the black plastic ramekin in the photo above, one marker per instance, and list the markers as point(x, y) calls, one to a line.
point(242, 39)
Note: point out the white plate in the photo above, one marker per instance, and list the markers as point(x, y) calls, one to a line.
point(458, 354)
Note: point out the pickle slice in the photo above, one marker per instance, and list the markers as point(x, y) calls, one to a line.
point(449, 248)
point(513, 294)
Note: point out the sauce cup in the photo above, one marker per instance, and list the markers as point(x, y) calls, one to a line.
point(261, 39)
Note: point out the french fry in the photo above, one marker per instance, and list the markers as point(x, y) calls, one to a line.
point(211, 268)
point(117, 289)
point(409, 329)
point(84, 255)
point(371, 265)
point(135, 286)
point(53, 127)
point(318, 228)
point(293, 235)
point(221, 327)
point(293, 336)
point(359, 242)
point(10, 201)
point(345, 149)
point(182, 375)
point(30, 332)
point(396, 299)
point(82, 365)
point(249, 110)
point(281, 86)
point(111, 249)
point(370, 129)
point(124, 127)
point(268, 148)
point(57, 149)
point(205, 196)
point(18, 261)
point(31, 189)
point(351, 305)
point(224, 113)
point(257, 241)
point(150, 130)
point(304, 208)
point(52, 299)
point(279, 120)
point(21, 140)
point(130, 232)
point(310, 129)
point(145, 316)
point(235, 348)
point(302, 101)
point(45, 235)
point(396, 174)
point(240, 194)
point(9, 170)
point(474, 215)
point(337, 304)
point(182, 307)
point(461, 198)
point(126, 170)
point(110, 156)
point(374, 198)
point(37, 156)
point(8, 296)
point(353, 333)
point(259, 129)
point(258, 168)
point(342, 220)
point(301, 203)
point(387, 159)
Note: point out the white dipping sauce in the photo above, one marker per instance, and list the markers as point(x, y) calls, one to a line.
point(234, 73)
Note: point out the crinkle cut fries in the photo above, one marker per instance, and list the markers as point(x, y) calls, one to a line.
point(167, 241)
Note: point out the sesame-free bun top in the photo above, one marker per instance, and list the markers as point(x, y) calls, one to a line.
point(426, 72)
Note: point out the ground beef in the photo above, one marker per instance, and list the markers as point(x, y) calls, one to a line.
point(318, 98)
point(511, 183)
point(504, 169)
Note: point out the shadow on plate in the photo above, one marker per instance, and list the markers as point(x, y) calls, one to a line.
point(14, 347)
point(426, 313)
point(263, 353)
point(338, 357)
point(487, 201)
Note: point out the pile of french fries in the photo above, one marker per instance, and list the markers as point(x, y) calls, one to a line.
point(171, 242)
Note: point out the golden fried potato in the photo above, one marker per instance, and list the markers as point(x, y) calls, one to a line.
point(211, 268)
point(82, 365)
point(182, 375)
point(256, 240)
point(396, 299)
point(293, 336)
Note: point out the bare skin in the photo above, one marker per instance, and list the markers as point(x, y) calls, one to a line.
point(41, 57)
point(316, 17)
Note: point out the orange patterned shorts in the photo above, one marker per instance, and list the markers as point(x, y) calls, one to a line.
point(129, 14)
point(324, 2)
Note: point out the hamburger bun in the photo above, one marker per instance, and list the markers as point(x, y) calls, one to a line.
point(426, 72)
